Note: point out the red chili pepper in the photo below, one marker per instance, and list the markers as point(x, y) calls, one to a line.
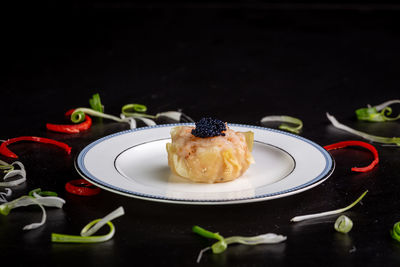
point(81, 187)
point(361, 144)
point(70, 128)
point(8, 153)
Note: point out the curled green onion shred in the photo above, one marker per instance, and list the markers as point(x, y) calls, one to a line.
point(33, 199)
point(5, 194)
point(370, 137)
point(377, 113)
point(343, 224)
point(11, 172)
point(5, 167)
point(95, 103)
point(326, 213)
point(395, 232)
point(91, 228)
point(223, 243)
point(129, 117)
point(288, 119)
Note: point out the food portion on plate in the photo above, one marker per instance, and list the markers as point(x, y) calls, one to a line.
point(210, 152)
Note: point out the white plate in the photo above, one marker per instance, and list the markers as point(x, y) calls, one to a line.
point(134, 163)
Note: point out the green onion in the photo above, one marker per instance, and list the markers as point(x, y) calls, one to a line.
point(79, 115)
point(5, 167)
point(36, 199)
point(343, 224)
point(3, 195)
point(377, 113)
point(217, 247)
point(395, 232)
point(284, 126)
point(223, 243)
point(321, 214)
point(205, 233)
point(95, 103)
point(12, 172)
point(135, 110)
point(372, 114)
point(38, 192)
point(374, 138)
point(90, 229)
point(129, 109)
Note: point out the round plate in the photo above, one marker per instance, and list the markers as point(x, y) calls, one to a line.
point(134, 163)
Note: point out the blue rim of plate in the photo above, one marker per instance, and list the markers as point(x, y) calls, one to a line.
point(81, 169)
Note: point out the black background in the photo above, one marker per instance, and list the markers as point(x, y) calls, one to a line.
point(237, 61)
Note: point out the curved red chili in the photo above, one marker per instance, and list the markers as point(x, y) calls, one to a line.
point(8, 153)
point(370, 147)
point(81, 187)
point(70, 128)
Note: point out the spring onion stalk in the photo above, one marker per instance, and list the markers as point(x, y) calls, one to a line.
point(136, 111)
point(32, 200)
point(395, 232)
point(12, 172)
point(91, 228)
point(378, 113)
point(373, 138)
point(5, 167)
point(147, 121)
point(223, 243)
point(284, 126)
point(321, 214)
point(95, 103)
point(37, 193)
point(133, 109)
point(343, 224)
point(79, 115)
point(386, 104)
point(5, 194)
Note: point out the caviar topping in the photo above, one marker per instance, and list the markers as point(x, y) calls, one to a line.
point(209, 127)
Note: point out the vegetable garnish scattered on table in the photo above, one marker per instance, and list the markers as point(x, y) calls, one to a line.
point(395, 232)
point(81, 187)
point(6, 152)
point(34, 198)
point(326, 213)
point(129, 113)
point(370, 137)
point(12, 172)
point(223, 243)
point(360, 144)
point(90, 229)
point(95, 103)
point(5, 167)
point(285, 126)
point(377, 113)
point(343, 224)
point(70, 128)
point(5, 194)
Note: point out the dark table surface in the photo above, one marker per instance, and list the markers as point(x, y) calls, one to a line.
point(237, 62)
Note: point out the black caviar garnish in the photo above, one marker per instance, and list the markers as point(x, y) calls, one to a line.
point(209, 127)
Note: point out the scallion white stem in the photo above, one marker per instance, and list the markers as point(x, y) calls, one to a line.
point(27, 201)
point(285, 118)
point(374, 138)
point(3, 195)
point(387, 103)
point(343, 224)
point(90, 229)
point(14, 172)
point(322, 214)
